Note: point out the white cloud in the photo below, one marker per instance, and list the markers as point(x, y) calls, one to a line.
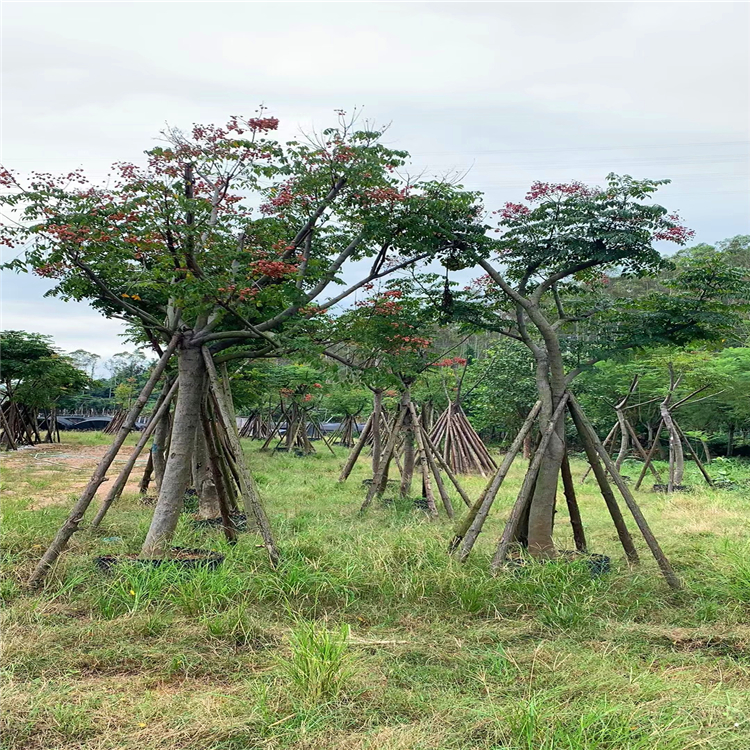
point(510, 91)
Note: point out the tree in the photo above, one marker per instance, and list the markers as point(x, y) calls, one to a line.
point(85, 361)
point(546, 282)
point(180, 249)
point(35, 376)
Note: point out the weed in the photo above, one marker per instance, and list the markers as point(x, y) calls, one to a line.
point(319, 665)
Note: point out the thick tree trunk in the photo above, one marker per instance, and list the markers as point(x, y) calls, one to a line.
point(541, 513)
point(187, 420)
point(76, 514)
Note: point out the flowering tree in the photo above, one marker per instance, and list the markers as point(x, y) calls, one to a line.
point(546, 275)
point(221, 242)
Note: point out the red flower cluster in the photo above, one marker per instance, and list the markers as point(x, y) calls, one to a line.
point(6, 178)
point(273, 269)
point(317, 385)
point(307, 397)
point(541, 190)
point(676, 233)
point(282, 199)
point(414, 342)
point(513, 211)
point(51, 270)
point(263, 123)
point(385, 195)
point(449, 362)
point(384, 304)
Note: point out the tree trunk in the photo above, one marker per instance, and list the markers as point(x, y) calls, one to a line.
point(159, 449)
point(676, 454)
point(203, 481)
point(187, 420)
point(409, 426)
point(377, 438)
point(624, 440)
point(730, 441)
point(542, 509)
point(76, 514)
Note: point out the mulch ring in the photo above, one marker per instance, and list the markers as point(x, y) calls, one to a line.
point(180, 557)
point(239, 521)
point(597, 564)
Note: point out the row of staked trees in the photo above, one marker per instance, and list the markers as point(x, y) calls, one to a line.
point(228, 246)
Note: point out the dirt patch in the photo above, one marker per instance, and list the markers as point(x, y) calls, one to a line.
point(53, 473)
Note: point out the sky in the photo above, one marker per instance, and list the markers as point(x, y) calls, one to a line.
point(501, 93)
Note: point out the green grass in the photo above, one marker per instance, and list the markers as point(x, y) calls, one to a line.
point(369, 635)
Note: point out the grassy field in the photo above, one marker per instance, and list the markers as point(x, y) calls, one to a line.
point(369, 635)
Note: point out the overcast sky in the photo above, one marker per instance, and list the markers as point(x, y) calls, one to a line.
point(507, 92)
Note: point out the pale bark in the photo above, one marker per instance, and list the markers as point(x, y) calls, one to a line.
point(409, 457)
point(203, 481)
point(187, 419)
point(377, 437)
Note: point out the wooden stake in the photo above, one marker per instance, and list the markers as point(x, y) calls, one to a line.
point(214, 459)
point(606, 490)
point(579, 536)
point(425, 467)
point(638, 516)
point(251, 499)
point(650, 456)
point(354, 453)
point(697, 460)
point(473, 521)
point(70, 526)
point(381, 476)
point(119, 484)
